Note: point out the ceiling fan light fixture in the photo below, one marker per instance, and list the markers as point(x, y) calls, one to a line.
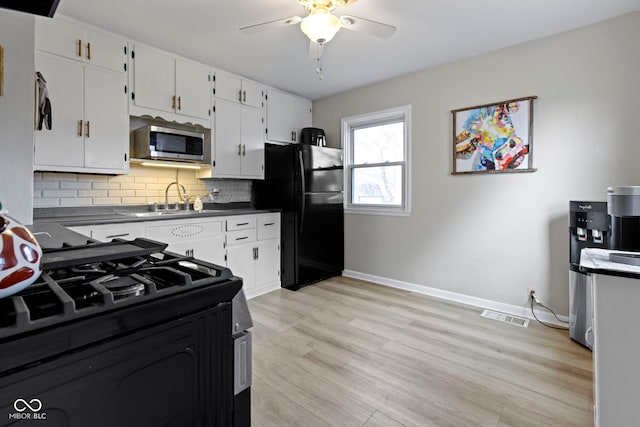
point(320, 26)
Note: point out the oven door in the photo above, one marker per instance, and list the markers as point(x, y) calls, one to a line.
point(178, 373)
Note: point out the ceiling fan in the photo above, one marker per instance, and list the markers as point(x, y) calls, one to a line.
point(320, 25)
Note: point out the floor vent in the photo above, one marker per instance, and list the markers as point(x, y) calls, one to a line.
point(506, 318)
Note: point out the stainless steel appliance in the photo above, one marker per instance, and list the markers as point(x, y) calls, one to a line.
point(588, 228)
point(313, 136)
point(624, 213)
point(306, 183)
point(124, 333)
point(155, 142)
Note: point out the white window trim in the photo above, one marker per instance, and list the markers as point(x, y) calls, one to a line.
point(379, 116)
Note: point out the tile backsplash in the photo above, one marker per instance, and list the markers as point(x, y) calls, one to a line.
point(141, 186)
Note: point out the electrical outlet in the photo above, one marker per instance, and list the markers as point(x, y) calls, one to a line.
point(530, 290)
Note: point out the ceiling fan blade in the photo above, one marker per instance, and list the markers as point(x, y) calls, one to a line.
point(368, 26)
point(271, 25)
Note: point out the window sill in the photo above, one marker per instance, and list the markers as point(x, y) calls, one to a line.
point(377, 211)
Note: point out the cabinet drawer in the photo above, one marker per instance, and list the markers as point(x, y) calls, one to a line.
point(241, 236)
point(184, 231)
point(106, 233)
point(268, 227)
point(241, 223)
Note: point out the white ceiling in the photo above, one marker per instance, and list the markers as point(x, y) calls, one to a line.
point(430, 33)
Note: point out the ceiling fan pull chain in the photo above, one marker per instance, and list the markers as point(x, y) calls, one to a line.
point(319, 61)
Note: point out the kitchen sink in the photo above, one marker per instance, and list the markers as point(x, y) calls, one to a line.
point(168, 213)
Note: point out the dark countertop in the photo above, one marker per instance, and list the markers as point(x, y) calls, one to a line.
point(96, 215)
point(51, 235)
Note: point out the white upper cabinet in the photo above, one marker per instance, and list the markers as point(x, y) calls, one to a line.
point(236, 89)
point(193, 88)
point(238, 145)
point(286, 115)
point(167, 86)
point(74, 40)
point(84, 69)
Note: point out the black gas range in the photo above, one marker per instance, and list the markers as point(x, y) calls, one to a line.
point(125, 333)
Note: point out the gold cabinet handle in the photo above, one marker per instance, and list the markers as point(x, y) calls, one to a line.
point(89, 51)
point(80, 122)
point(88, 129)
point(79, 48)
point(173, 103)
point(179, 103)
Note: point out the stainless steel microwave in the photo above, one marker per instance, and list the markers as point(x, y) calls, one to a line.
point(155, 142)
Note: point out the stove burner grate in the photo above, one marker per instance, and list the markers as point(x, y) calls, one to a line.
point(122, 286)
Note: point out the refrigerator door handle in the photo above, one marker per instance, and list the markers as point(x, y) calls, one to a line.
point(304, 190)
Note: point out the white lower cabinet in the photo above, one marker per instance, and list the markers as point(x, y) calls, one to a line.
point(615, 350)
point(249, 245)
point(202, 239)
point(253, 252)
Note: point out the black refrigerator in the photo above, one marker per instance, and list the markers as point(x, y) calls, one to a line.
point(306, 183)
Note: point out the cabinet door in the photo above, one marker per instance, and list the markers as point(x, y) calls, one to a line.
point(252, 139)
point(63, 144)
point(279, 117)
point(74, 40)
point(60, 37)
point(106, 120)
point(252, 94)
point(268, 261)
point(240, 261)
point(302, 115)
point(228, 87)
point(227, 145)
point(210, 250)
point(202, 239)
point(153, 78)
point(193, 89)
point(104, 50)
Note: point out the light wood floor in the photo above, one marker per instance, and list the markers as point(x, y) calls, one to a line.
point(345, 352)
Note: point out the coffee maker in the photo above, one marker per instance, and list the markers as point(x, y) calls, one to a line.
point(588, 228)
point(624, 212)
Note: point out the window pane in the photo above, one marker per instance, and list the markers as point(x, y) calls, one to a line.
point(377, 185)
point(378, 144)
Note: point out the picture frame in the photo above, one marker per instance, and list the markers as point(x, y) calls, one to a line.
point(494, 138)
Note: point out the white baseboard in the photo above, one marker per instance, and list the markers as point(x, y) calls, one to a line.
point(522, 311)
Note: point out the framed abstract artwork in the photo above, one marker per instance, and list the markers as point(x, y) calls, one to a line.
point(494, 137)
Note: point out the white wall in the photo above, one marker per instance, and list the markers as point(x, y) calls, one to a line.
point(491, 236)
point(16, 115)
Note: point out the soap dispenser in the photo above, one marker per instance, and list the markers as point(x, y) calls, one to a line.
point(197, 204)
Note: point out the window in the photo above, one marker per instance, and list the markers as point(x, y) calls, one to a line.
point(377, 162)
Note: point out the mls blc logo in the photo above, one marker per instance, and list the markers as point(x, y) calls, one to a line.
point(28, 410)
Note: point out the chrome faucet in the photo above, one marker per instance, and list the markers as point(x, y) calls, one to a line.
point(184, 195)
